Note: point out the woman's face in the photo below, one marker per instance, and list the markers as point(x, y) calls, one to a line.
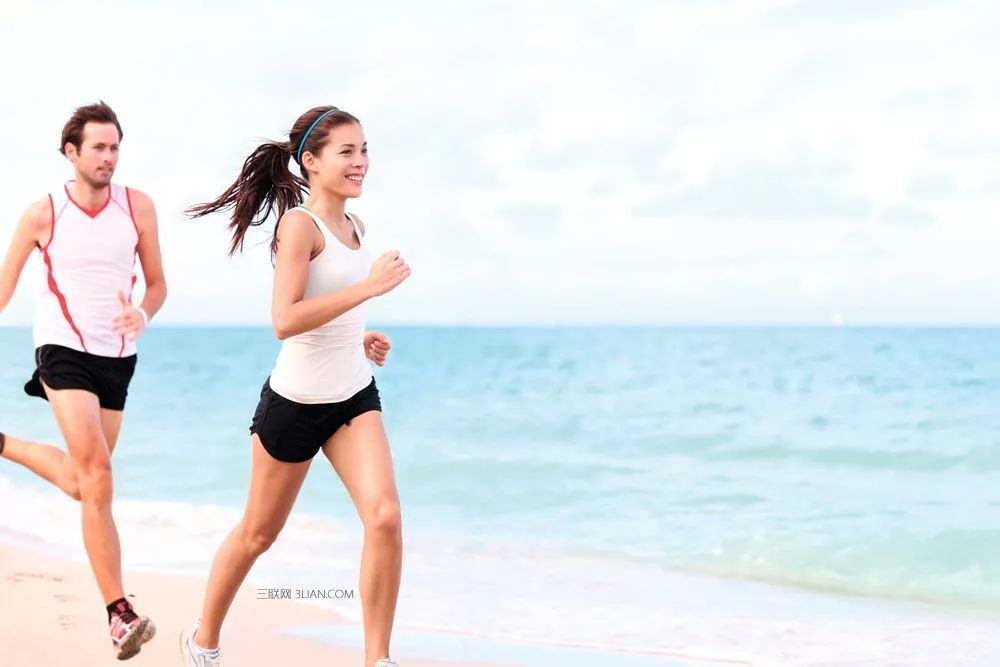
point(342, 162)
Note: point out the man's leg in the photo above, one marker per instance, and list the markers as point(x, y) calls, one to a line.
point(53, 464)
point(48, 462)
point(111, 425)
point(86, 427)
point(78, 414)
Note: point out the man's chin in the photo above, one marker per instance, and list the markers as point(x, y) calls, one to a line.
point(99, 181)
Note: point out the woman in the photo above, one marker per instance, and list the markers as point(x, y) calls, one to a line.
point(321, 395)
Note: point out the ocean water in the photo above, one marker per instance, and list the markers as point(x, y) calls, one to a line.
point(760, 496)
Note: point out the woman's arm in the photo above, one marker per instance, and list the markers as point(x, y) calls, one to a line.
point(291, 313)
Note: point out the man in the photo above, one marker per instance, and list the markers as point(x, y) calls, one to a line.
point(89, 234)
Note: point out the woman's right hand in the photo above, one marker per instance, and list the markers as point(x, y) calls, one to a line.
point(387, 272)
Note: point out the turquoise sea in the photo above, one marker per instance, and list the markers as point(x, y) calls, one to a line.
point(594, 495)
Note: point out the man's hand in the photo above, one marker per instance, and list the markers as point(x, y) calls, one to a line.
point(131, 321)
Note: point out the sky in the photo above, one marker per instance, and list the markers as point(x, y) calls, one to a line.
point(686, 162)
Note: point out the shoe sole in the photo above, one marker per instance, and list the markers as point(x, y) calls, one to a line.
point(132, 644)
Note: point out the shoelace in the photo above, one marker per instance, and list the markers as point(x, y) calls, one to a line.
point(118, 627)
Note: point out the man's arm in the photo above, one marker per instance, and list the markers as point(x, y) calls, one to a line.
point(32, 229)
point(149, 252)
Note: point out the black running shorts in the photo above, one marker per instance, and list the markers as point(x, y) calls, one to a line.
point(294, 432)
point(60, 367)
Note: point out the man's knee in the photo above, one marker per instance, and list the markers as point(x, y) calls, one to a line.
point(93, 482)
point(72, 489)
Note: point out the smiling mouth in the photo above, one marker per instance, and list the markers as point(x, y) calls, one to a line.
point(356, 179)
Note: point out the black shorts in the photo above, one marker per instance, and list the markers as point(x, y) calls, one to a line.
point(294, 432)
point(64, 368)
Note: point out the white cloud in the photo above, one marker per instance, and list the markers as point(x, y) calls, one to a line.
point(661, 161)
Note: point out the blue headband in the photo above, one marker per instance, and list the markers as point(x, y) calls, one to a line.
point(302, 144)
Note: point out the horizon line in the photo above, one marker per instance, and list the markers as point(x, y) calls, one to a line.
point(591, 324)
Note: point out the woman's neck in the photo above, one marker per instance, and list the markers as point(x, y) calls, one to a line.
point(328, 207)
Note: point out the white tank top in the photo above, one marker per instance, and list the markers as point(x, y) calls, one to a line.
point(90, 257)
point(327, 364)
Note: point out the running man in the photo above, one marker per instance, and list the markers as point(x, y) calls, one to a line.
point(89, 233)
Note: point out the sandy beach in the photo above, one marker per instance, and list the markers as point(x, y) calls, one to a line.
point(52, 615)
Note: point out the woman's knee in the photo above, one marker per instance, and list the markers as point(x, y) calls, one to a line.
point(384, 519)
point(258, 539)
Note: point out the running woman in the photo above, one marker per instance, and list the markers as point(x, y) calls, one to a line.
point(321, 395)
point(89, 233)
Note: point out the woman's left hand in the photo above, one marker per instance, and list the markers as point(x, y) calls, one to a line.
point(377, 346)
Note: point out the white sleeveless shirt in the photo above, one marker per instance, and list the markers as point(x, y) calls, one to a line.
point(89, 258)
point(328, 364)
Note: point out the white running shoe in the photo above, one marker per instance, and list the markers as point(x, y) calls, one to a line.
point(195, 656)
point(386, 662)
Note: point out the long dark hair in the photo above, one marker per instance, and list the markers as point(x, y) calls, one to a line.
point(266, 185)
